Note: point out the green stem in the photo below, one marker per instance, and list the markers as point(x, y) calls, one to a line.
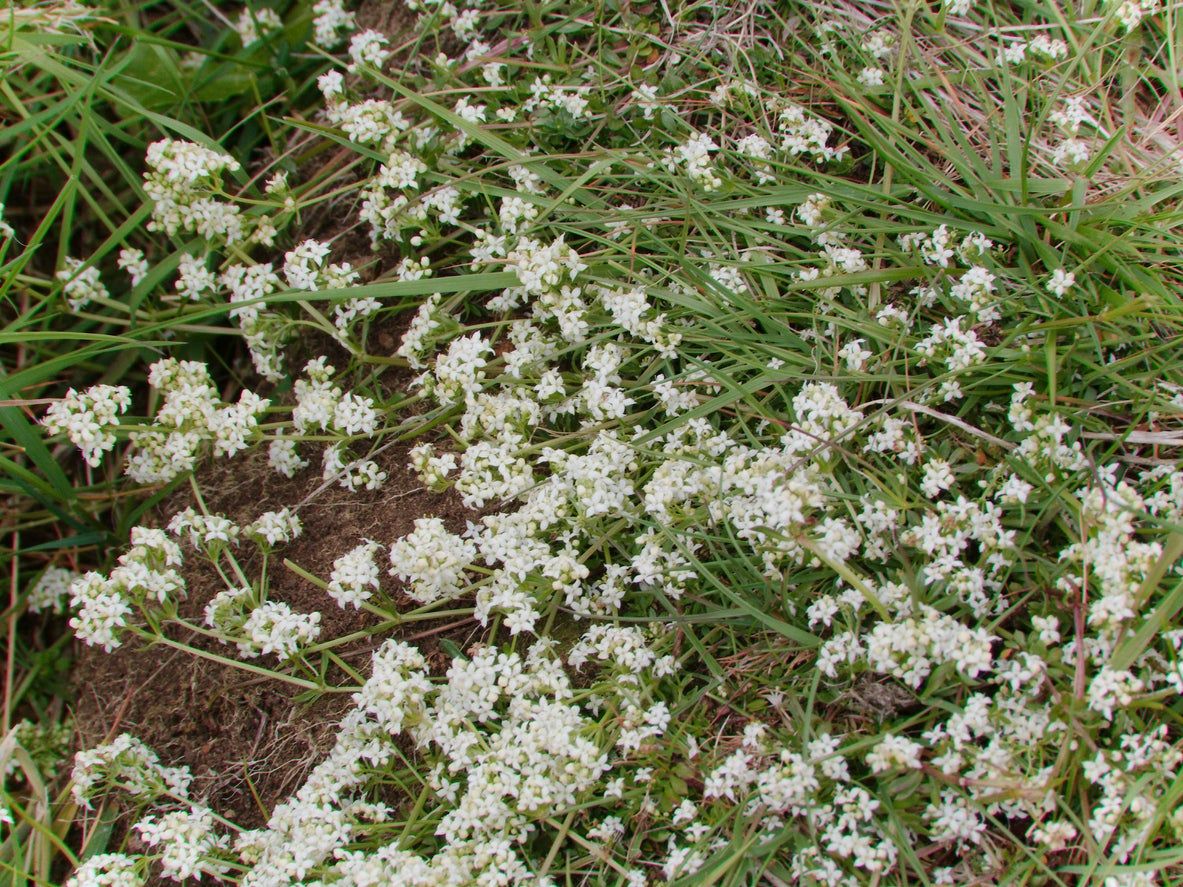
point(235, 663)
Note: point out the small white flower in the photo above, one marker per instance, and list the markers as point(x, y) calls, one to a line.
point(355, 576)
point(894, 752)
point(255, 23)
point(133, 262)
point(330, 22)
point(938, 476)
point(368, 49)
point(275, 527)
point(871, 76)
point(6, 231)
point(855, 355)
point(1061, 282)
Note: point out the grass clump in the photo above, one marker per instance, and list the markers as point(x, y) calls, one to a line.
point(810, 375)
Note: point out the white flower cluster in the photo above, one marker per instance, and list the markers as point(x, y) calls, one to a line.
point(1072, 152)
point(183, 180)
point(431, 561)
point(331, 21)
point(132, 261)
point(896, 546)
point(368, 122)
point(627, 649)
point(86, 418)
point(80, 285)
point(264, 332)
point(357, 474)
point(415, 342)
point(355, 576)
point(1130, 13)
point(253, 24)
point(1111, 559)
point(1121, 821)
point(433, 470)
point(193, 414)
point(542, 268)
point(304, 268)
point(571, 100)
point(108, 870)
point(1041, 47)
point(386, 200)
point(812, 785)
point(909, 648)
point(274, 628)
point(126, 764)
point(273, 528)
point(368, 49)
point(801, 133)
point(957, 348)
point(260, 628)
point(511, 751)
point(458, 373)
point(322, 405)
point(894, 752)
point(148, 579)
point(195, 278)
point(186, 838)
point(694, 158)
point(1046, 447)
point(51, 590)
point(208, 532)
point(187, 843)
point(935, 247)
point(147, 574)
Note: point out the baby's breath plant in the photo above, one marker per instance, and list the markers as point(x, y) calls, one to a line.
point(809, 373)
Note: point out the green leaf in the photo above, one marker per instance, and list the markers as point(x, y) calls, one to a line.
point(33, 445)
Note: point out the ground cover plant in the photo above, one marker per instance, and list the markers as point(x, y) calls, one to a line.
point(592, 443)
